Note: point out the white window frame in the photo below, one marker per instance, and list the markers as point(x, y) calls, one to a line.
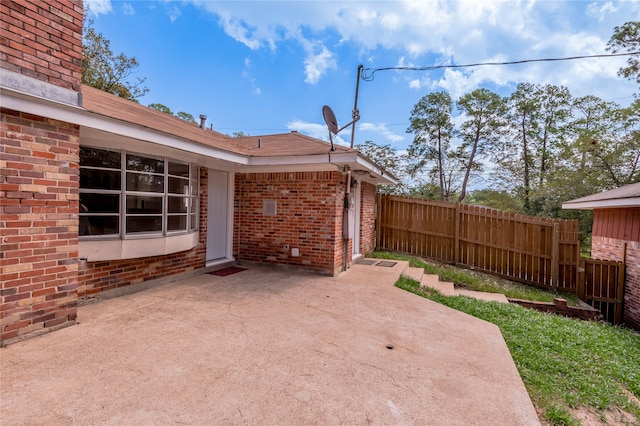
point(192, 200)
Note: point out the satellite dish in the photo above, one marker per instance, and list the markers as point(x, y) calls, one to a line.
point(330, 119)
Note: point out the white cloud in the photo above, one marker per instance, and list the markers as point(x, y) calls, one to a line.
point(381, 129)
point(317, 64)
point(174, 13)
point(600, 9)
point(245, 74)
point(98, 7)
point(127, 9)
point(428, 32)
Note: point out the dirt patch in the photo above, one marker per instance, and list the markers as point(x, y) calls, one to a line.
point(610, 417)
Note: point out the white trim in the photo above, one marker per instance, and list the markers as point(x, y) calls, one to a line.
point(219, 262)
point(105, 249)
point(231, 177)
point(86, 118)
point(602, 204)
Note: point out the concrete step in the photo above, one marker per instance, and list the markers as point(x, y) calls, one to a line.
point(414, 273)
point(446, 288)
point(433, 281)
point(482, 295)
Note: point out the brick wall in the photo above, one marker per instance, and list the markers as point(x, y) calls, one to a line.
point(38, 224)
point(308, 217)
point(367, 217)
point(101, 276)
point(42, 39)
point(613, 249)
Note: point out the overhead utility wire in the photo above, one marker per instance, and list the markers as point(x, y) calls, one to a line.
point(368, 73)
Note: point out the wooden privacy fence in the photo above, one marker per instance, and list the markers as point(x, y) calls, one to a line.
point(532, 250)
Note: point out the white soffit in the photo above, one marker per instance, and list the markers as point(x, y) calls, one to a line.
point(603, 204)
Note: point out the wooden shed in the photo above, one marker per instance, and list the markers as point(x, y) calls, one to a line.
point(616, 236)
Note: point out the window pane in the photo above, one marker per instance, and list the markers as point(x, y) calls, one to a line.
point(177, 223)
point(100, 179)
point(176, 169)
point(177, 204)
point(99, 225)
point(137, 204)
point(145, 183)
point(194, 187)
point(93, 157)
point(144, 224)
point(178, 186)
point(99, 203)
point(194, 222)
point(144, 164)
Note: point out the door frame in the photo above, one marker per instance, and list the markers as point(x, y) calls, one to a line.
point(227, 232)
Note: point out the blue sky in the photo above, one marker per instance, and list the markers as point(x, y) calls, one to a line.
point(264, 67)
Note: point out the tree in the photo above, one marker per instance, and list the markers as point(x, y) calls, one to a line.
point(501, 200)
point(538, 117)
point(485, 111)
point(430, 123)
point(186, 116)
point(627, 39)
point(515, 160)
point(555, 110)
point(616, 152)
point(388, 158)
point(104, 70)
point(161, 108)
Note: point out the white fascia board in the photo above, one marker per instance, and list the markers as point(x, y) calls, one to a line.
point(603, 204)
point(327, 161)
point(281, 160)
point(82, 117)
point(392, 180)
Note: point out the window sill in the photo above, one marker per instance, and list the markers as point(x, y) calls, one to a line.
point(101, 250)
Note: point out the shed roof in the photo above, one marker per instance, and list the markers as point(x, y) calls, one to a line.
point(624, 196)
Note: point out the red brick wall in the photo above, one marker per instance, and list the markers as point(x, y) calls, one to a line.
point(101, 276)
point(309, 217)
point(367, 218)
point(613, 249)
point(38, 224)
point(42, 39)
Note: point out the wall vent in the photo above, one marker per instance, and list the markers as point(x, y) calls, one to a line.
point(269, 208)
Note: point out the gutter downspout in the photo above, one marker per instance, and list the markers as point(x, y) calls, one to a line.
point(345, 219)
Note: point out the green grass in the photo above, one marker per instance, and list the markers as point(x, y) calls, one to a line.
point(477, 281)
point(565, 363)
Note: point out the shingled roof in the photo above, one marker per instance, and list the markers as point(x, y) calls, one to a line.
point(625, 196)
point(287, 144)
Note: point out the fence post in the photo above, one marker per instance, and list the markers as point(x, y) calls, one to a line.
point(378, 221)
point(555, 256)
point(456, 243)
point(620, 286)
point(581, 285)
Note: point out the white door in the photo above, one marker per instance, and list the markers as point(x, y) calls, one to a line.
point(356, 219)
point(217, 215)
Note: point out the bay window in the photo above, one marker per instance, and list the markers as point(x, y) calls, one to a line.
point(125, 195)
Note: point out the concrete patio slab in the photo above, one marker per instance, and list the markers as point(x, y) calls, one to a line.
point(267, 346)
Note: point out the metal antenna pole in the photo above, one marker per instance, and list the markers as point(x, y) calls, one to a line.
point(355, 114)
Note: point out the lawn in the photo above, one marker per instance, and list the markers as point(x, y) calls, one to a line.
point(576, 372)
